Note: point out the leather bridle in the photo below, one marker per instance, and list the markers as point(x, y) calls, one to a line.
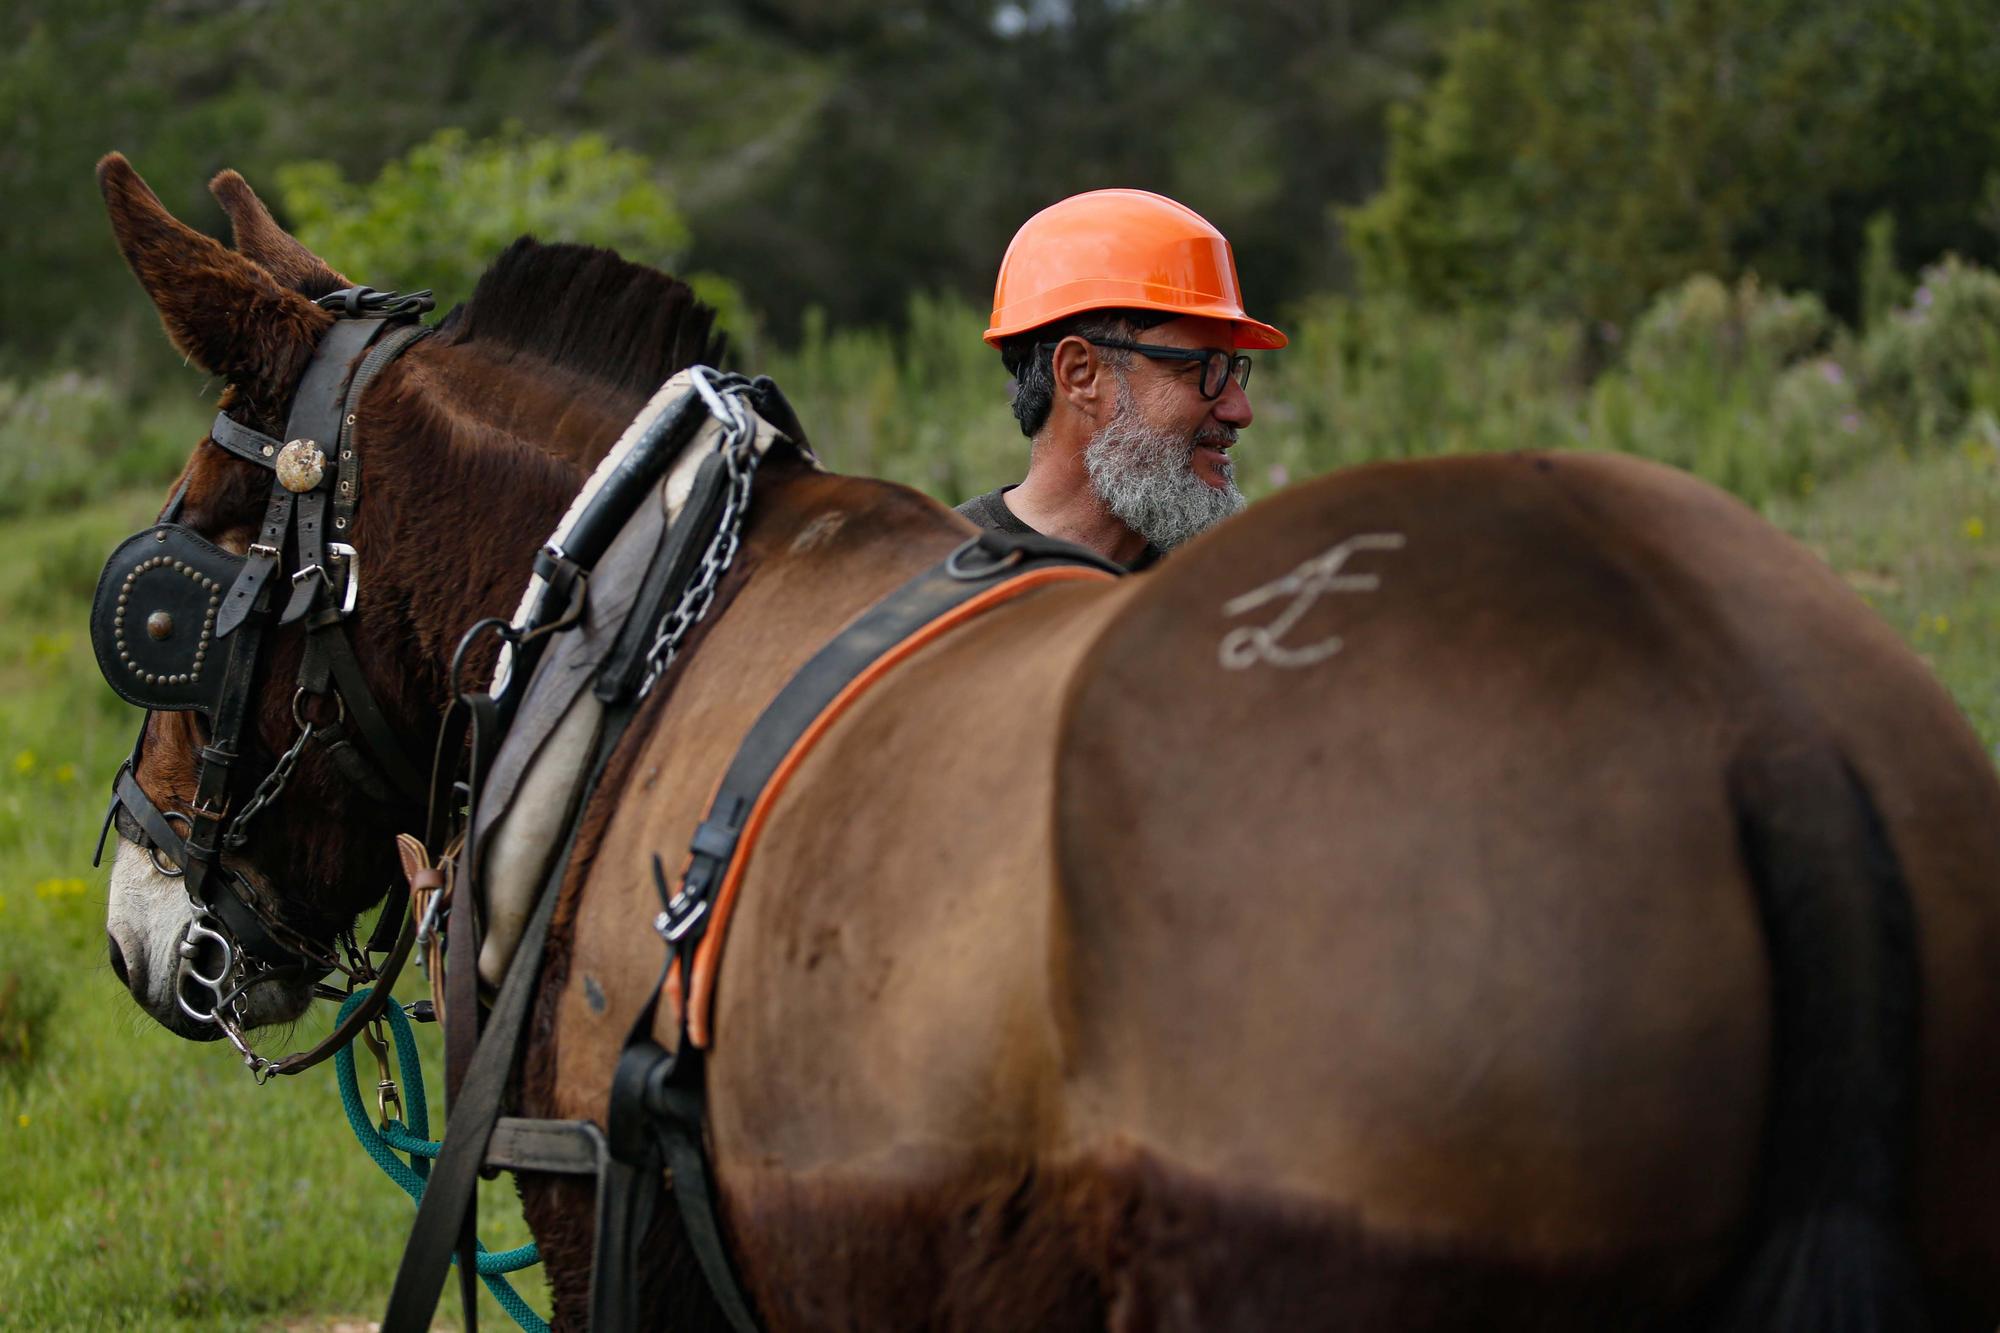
point(169, 601)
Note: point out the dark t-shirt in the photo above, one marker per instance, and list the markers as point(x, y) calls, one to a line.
point(990, 511)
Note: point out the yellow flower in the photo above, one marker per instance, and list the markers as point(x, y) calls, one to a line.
point(22, 1120)
point(24, 762)
point(59, 888)
point(1974, 528)
point(66, 773)
point(1941, 623)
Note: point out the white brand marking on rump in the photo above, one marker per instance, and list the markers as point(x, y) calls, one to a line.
point(1246, 645)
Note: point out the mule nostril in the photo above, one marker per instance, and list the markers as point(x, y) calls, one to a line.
point(118, 962)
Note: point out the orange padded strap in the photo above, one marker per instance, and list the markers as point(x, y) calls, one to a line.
point(708, 956)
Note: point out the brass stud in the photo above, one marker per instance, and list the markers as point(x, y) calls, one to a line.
point(160, 534)
point(268, 451)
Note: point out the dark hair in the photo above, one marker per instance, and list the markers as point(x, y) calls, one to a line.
point(1027, 356)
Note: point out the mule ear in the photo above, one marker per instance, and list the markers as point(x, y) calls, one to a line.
point(222, 311)
point(259, 236)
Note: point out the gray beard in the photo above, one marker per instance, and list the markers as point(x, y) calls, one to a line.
point(1144, 476)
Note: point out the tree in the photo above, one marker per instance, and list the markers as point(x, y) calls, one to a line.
point(1579, 157)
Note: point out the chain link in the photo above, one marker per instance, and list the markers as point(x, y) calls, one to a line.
point(739, 460)
point(267, 790)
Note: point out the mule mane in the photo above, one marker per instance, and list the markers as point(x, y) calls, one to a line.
point(587, 310)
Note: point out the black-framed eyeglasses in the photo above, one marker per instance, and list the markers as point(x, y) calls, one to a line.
point(1217, 366)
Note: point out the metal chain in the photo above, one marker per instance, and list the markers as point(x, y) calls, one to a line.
point(267, 790)
point(739, 459)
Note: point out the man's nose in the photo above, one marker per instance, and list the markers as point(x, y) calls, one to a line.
point(1233, 408)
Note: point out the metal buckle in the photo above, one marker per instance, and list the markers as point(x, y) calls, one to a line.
point(683, 911)
point(343, 552)
point(263, 552)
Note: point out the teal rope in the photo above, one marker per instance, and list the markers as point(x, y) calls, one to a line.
point(383, 1144)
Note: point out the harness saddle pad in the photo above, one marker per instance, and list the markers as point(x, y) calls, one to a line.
point(575, 657)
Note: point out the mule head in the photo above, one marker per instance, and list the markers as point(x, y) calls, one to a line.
point(314, 858)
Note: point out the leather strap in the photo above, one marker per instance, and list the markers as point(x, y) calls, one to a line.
point(347, 469)
point(560, 1147)
point(251, 445)
point(383, 744)
point(461, 1016)
point(671, 570)
point(310, 575)
point(258, 565)
point(455, 1175)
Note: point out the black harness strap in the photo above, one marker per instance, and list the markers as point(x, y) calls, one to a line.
point(251, 445)
point(454, 1177)
point(658, 1113)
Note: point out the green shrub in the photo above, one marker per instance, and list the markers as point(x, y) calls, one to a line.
point(70, 435)
point(927, 408)
point(1937, 361)
point(438, 215)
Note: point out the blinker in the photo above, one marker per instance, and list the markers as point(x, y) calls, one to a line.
point(152, 622)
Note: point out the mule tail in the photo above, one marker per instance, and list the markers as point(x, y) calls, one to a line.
point(1830, 1251)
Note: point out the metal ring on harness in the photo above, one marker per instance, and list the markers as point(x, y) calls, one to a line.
point(169, 816)
point(298, 699)
point(955, 566)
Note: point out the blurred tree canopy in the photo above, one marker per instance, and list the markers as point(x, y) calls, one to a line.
point(1579, 157)
point(1574, 156)
point(840, 154)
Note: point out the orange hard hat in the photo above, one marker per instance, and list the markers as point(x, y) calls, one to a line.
point(1123, 250)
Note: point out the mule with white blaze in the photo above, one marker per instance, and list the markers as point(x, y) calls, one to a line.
point(1501, 892)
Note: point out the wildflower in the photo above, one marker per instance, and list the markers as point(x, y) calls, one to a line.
point(1974, 529)
point(24, 762)
point(1277, 475)
point(1831, 372)
point(66, 773)
point(22, 1120)
point(59, 888)
point(1850, 422)
point(1924, 297)
point(1941, 623)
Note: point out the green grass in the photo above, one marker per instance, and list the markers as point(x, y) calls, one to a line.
point(148, 1184)
point(1919, 538)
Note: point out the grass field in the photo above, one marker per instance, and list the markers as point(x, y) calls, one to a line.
point(148, 1184)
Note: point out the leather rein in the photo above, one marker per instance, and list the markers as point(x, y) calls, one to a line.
point(169, 600)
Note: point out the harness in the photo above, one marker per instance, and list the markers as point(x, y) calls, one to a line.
point(178, 624)
point(656, 1126)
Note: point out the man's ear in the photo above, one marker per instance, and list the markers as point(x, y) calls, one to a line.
point(1082, 379)
point(259, 236)
point(225, 313)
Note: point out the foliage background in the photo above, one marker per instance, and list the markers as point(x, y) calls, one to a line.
point(1754, 239)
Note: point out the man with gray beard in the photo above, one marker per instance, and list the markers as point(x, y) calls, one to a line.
point(1119, 315)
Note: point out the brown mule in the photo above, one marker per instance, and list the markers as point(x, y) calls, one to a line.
point(1520, 892)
